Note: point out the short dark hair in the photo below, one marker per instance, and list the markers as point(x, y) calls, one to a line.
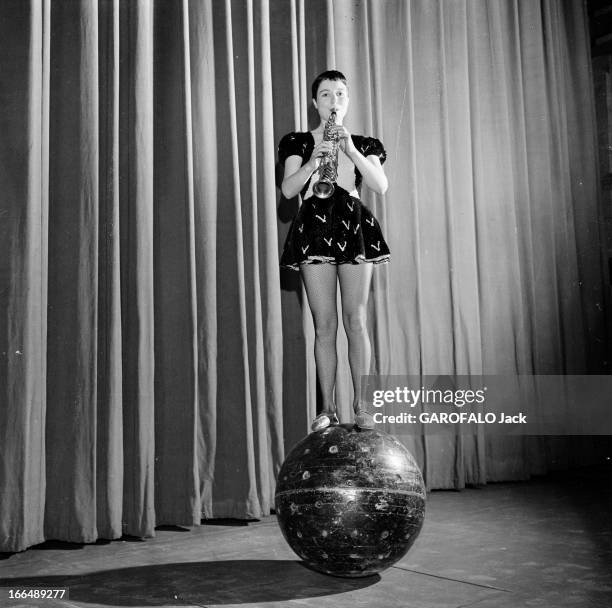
point(327, 75)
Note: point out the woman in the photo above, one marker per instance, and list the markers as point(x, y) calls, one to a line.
point(335, 240)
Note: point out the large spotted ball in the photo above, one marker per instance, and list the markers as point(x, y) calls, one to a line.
point(350, 502)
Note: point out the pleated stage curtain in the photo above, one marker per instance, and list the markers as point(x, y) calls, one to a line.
point(154, 363)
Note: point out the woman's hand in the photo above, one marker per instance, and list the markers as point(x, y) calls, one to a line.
point(345, 140)
point(297, 174)
point(319, 151)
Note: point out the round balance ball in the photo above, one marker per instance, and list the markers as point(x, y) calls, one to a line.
point(350, 502)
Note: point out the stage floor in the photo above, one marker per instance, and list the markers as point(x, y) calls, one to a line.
point(542, 543)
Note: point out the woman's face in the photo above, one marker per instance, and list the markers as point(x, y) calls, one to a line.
point(332, 95)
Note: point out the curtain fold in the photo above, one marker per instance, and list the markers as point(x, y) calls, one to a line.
point(109, 435)
point(70, 423)
point(175, 329)
point(24, 217)
point(205, 185)
point(136, 190)
point(155, 363)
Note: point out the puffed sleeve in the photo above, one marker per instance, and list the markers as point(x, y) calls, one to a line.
point(290, 145)
point(374, 146)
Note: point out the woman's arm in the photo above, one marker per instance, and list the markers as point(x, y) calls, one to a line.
point(370, 167)
point(296, 174)
point(371, 170)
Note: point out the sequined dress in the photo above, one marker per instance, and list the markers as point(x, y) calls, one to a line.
point(337, 230)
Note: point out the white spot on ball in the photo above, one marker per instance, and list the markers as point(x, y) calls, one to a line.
point(333, 449)
point(306, 475)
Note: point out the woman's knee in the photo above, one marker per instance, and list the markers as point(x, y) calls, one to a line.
point(326, 329)
point(354, 322)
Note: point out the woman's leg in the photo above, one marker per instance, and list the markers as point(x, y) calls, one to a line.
point(320, 281)
point(355, 282)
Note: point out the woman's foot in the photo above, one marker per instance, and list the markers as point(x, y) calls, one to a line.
point(323, 420)
point(363, 419)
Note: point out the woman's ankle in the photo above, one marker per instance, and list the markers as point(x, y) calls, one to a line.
point(363, 419)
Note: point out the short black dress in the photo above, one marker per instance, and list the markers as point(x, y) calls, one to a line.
point(336, 230)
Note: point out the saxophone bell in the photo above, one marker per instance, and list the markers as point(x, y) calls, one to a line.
point(323, 188)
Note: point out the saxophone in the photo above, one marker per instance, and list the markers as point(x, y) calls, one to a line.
point(328, 168)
